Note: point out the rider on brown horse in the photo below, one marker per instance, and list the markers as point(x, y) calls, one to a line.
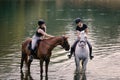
point(39, 35)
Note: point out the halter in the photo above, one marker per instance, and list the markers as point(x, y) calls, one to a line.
point(81, 42)
point(63, 40)
point(64, 43)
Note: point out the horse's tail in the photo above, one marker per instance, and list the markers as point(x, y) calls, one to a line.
point(23, 53)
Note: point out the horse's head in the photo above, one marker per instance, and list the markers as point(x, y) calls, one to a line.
point(83, 39)
point(64, 43)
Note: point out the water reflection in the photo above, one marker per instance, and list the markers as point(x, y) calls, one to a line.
point(26, 75)
point(79, 76)
point(18, 20)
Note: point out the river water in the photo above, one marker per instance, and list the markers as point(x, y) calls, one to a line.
point(18, 20)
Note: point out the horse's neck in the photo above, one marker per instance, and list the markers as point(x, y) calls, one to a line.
point(53, 42)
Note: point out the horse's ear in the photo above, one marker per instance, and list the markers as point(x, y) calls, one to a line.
point(66, 36)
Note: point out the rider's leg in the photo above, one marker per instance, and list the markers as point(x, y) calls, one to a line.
point(33, 44)
point(90, 49)
point(73, 48)
point(32, 49)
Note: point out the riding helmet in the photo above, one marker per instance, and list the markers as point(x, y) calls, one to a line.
point(40, 22)
point(77, 20)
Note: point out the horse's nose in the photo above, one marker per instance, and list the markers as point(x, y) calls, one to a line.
point(82, 46)
point(67, 49)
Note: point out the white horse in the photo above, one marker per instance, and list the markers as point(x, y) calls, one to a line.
point(81, 53)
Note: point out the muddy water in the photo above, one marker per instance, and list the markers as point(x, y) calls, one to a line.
point(18, 20)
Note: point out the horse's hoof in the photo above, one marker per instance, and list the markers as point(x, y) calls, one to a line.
point(77, 72)
point(83, 71)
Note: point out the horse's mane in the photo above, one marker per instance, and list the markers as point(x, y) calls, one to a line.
point(53, 38)
point(47, 39)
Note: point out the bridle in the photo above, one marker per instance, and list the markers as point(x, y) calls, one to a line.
point(62, 41)
point(81, 42)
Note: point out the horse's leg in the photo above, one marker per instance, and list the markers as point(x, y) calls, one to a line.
point(84, 63)
point(29, 64)
point(77, 62)
point(23, 55)
point(26, 62)
point(22, 75)
point(41, 68)
point(46, 66)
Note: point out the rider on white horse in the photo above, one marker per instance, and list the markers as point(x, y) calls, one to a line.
point(80, 27)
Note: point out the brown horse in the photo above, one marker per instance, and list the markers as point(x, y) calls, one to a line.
point(44, 51)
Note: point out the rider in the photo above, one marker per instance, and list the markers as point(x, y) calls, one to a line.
point(80, 27)
point(39, 35)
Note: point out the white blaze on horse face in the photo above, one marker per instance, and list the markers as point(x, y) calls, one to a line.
point(83, 39)
point(82, 44)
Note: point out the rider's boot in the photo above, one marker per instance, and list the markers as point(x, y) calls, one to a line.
point(71, 52)
point(72, 49)
point(91, 57)
point(31, 55)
